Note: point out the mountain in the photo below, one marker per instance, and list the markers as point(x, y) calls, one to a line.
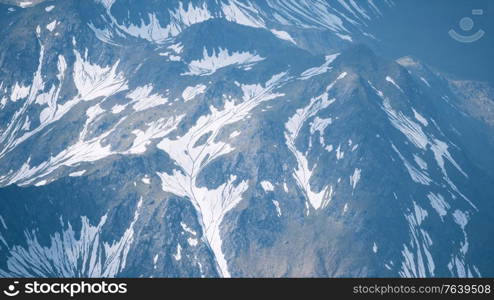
point(235, 138)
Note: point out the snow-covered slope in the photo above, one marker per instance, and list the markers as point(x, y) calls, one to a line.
point(158, 21)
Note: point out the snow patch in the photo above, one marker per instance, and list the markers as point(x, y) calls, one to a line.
point(51, 26)
point(186, 228)
point(179, 19)
point(420, 118)
point(178, 254)
point(142, 99)
point(71, 254)
point(267, 186)
point(209, 64)
point(19, 92)
point(303, 172)
point(243, 13)
point(391, 80)
point(278, 208)
point(354, 178)
point(193, 91)
point(321, 69)
point(439, 204)
point(146, 180)
point(192, 157)
point(77, 173)
point(93, 81)
point(283, 35)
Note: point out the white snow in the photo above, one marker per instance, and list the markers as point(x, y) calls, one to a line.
point(186, 228)
point(93, 112)
point(19, 92)
point(25, 4)
point(339, 154)
point(415, 134)
point(155, 130)
point(234, 134)
point(146, 180)
point(210, 63)
point(321, 69)
point(116, 109)
point(192, 242)
point(104, 34)
point(420, 162)
point(178, 254)
point(345, 37)
point(27, 124)
point(283, 35)
point(93, 81)
point(319, 125)
point(417, 260)
point(242, 13)
point(440, 150)
point(212, 205)
point(193, 91)
point(71, 254)
point(90, 150)
point(10, 136)
point(457, 266)
point(419, 176)
point(425, 81)
point(278, 208)
point(2, 221)
point(77, 173)
point(177, 48)
point(106, 3)
point(439, 204)
point(51, 26)
point(299, 13)
point(420, 118)
point(391, 80)
point(412, 130)
point(41, 183)
point(355, 177)
point(460, 218)
point(267, 186)
point(420, 213)
point(303, 172)
point(142, 99)
point(180, 18)
point(307, 13)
